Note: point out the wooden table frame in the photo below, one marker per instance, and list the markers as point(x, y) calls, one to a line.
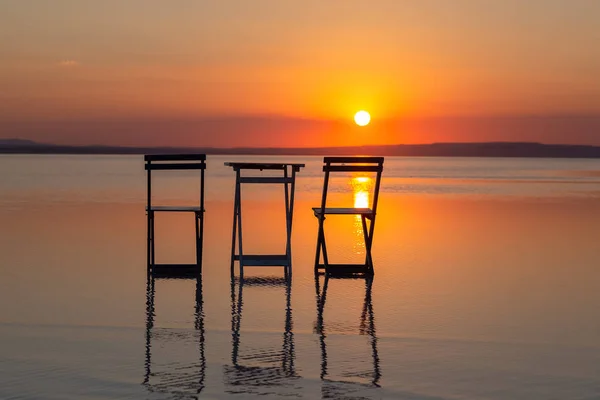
point(288, 179)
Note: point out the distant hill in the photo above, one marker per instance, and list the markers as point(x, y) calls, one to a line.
point(18, 142)
point(487, 149)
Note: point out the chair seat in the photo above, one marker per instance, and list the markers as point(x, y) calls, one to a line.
point(344, 211)
point(176, 208)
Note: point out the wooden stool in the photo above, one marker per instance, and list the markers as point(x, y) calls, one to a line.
point(288, 179)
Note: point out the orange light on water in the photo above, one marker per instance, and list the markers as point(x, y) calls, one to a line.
point(361, 186)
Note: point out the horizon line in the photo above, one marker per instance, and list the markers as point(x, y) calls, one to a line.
point(20, 142)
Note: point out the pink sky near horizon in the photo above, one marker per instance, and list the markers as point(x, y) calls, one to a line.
point(206, 73)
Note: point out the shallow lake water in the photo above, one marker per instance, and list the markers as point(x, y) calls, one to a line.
point(486, 284)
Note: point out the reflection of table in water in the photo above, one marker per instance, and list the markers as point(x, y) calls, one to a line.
point(331, 387)
point(265, 369)
point(175, 378)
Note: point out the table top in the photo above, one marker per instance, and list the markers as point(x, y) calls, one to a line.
point(247, 165)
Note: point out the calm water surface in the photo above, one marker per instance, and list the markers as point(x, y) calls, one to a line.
point(487, 284)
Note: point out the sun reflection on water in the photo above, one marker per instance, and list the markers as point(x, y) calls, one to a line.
point(361, 189)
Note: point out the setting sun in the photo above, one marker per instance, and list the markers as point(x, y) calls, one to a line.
point(362, 118)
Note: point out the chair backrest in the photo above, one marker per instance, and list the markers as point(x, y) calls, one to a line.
point(175, 162)
point(353, 164)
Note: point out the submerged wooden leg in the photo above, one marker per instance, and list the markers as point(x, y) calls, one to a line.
point(197, 223)
point(148, 242)
point(291, 219)
point(201, 238)
point(321, 246)
point(368, 257)
point(325, 256)
point(369, 244)
point(151, 244)
point(318, 251)
point(235, 213)
point(239, 224)
point(288, 220)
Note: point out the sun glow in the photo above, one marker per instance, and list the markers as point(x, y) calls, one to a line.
point(362, 118)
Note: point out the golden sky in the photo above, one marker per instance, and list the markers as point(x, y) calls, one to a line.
point(83, 63)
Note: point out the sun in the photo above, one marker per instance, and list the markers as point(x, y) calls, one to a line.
point(362, 118)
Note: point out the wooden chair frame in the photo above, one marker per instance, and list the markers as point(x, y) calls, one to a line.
point(348, 164)
point(174, 162)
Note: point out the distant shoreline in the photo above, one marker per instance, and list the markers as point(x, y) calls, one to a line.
point(486, 149)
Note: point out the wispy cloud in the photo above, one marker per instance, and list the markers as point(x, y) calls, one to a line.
point(69, 63)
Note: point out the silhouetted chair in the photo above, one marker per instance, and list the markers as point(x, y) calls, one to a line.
point(348, 164)
point(175, 162)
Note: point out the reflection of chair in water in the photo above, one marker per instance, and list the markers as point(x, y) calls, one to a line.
point(264, 370)
point(175, 378)
point(348, 164)
point(366, 327)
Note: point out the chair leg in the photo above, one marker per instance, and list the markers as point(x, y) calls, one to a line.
point(325, 256)
point(368, 242)
point(234, 230)
point(239, 224)
point(199, 229)
point(292, 188)
point(288, 220)
point(321, 245)
point(318, 252)
point(201, 238)
point(148, 242)
point(151, 251)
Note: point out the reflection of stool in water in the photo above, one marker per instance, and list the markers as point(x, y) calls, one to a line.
point(367, 327)
point(348, 164)
point(250, 374)
point(289, 182)
point(175, 162)
point(178, 380)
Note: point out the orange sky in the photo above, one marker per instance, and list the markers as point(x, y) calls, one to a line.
point(158, 73)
